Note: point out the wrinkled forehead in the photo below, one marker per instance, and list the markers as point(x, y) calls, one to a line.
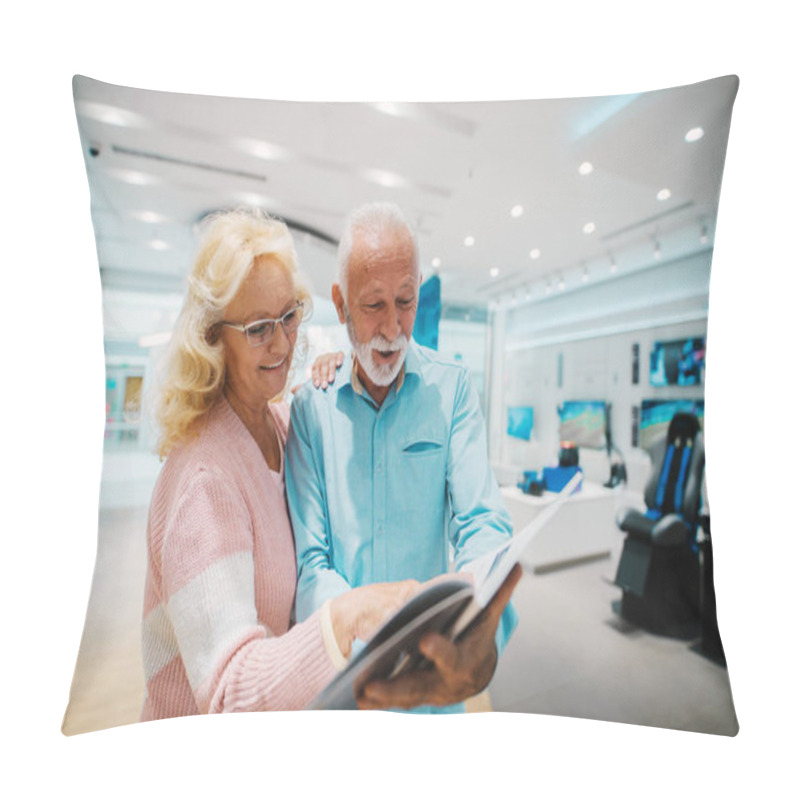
point(384, 255)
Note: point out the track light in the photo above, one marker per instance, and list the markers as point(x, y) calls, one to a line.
point(657, 250)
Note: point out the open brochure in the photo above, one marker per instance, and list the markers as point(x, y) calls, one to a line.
point(447, 605)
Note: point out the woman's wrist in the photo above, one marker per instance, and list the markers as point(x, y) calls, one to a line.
point(341, 615)
point(336, 654)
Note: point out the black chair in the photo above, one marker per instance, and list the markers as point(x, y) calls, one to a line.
point(658, 570)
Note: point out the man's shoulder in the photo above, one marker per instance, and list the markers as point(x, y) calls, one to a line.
point(309, 399)
point(432, 361)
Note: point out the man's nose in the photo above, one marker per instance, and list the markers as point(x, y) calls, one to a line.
point(390, 324)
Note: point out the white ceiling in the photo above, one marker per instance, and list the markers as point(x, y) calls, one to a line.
point(158, 162)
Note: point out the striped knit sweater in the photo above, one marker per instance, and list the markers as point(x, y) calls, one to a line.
point(220, 582)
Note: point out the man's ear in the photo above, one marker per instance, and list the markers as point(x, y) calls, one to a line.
point(338, 301)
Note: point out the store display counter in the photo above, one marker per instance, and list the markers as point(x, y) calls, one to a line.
point(583, 530)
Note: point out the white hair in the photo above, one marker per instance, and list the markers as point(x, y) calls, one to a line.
point(371, 219)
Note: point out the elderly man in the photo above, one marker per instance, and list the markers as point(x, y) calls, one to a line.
point(387, 468)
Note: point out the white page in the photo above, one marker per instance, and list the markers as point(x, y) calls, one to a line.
point(491, 569)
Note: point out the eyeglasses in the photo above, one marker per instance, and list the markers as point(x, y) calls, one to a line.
point(261, 331)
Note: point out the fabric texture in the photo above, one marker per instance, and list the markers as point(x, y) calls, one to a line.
point(380, 493)
point(220, 585)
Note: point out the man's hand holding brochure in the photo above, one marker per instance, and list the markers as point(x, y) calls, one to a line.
point(438, 648)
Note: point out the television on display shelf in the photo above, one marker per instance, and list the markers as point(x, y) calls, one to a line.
point(680, 362)
point(584, 422)
point(520, 422)
point(657, 414)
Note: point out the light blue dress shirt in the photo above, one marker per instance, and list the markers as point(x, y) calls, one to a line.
point(379, 493)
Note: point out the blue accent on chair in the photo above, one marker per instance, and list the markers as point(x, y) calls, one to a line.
point(662, 480)
point(658, 570)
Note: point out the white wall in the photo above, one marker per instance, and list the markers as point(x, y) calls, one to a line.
point(578, 346)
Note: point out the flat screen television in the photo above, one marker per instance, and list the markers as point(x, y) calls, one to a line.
point(584, 422)
point(657, 414)
point(678, 363)
point(520, 422)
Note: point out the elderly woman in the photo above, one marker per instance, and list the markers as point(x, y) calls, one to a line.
point(217, 630)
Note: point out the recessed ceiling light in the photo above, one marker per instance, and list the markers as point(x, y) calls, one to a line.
point(391, 180)
point(152, 217)
point(589, 227)
point(133, 177)
point(586, 168)
point(111, 115)
point(469, 241)
point(261, 149)
point(536, 252)
point(436, 262)
point(517, 211)
point(694, 134)
point(664, 194)
point(494, 272)
point(254, 199)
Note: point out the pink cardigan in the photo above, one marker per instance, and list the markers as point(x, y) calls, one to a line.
point(221, 578)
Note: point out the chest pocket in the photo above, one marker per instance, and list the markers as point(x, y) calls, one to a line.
point(421, 444)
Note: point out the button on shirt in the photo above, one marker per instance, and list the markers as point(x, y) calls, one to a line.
point(381, 493)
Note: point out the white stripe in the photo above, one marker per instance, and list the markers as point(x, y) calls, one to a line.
point(158, 642)
point(210, 612)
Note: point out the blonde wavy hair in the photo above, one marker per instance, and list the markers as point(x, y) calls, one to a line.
point(194, 368)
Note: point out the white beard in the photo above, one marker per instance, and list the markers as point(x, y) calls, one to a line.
point(379, 374)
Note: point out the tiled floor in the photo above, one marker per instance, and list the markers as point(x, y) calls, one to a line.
point(570, 656)
point(573, 656)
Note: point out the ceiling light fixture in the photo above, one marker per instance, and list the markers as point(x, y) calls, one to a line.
point(656, 249)
point(694, 135)
point(586, 168)
point(469, 241)
point(535, 253)
point(589, 227)
point(133, 177)
point(150, 217)
point(517, 211)
point(261, 149)
point(111, 115)
point(494, 272)
point(664, 194)
point(390, 180)
point(436, 262)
